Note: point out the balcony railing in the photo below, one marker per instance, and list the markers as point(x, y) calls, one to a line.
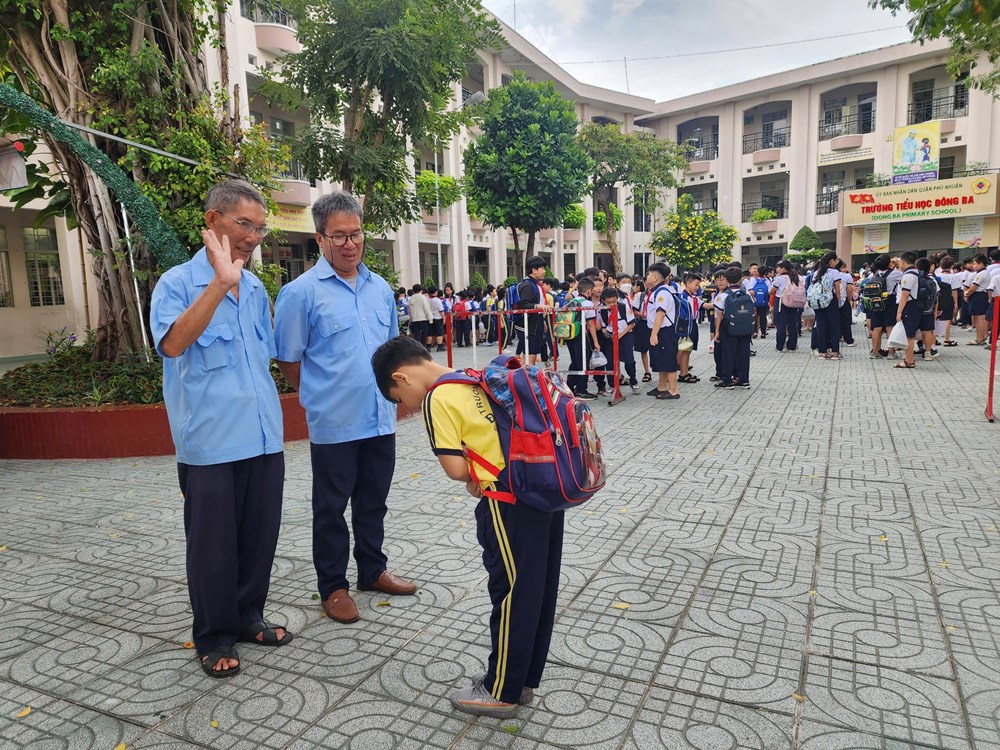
point(295, 171)
point(777, 138)
point(826, 203)
point(774, 203)
point(267, 12)
point(976, 172)
point(944, 103)
point(853, 123)
point(706, 150)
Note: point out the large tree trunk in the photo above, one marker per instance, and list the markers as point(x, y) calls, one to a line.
point(63, 81)
point(517, 250)
point(605, 205)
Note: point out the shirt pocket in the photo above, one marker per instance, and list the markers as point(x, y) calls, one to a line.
point(384, 316)
point(339, 334)
point(213, 347)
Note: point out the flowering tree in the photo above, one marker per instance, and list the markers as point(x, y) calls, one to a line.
point(689, 239)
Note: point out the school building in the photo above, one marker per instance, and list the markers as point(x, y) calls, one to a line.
point(792, 143)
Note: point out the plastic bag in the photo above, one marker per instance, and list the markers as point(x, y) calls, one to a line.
point(684, 344)
point(897, 336)
point(598, 360)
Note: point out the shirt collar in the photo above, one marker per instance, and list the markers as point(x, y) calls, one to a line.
point(202, 272)
point(325, 271)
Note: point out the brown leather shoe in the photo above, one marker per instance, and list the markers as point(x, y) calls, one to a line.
point(340, 607)
point(390, 584)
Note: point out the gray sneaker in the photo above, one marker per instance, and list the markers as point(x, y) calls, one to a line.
point(527, 693)
point(476, 701)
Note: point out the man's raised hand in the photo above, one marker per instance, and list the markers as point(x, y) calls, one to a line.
point(227, 270)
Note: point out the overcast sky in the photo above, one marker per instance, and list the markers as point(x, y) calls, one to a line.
point(571, 31)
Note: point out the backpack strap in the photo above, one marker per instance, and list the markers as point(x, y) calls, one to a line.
point(498, 495)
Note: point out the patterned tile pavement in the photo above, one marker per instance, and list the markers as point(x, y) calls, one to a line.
point(814, 564)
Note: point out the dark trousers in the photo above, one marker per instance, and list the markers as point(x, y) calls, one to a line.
point(964, 317)
point(420, 330)
point(463, 332)
point(735, 357)
point(761, 321)
point(359, 471)
point(626, 356)
point(232, 513)
point(522, 553)
point(578, 360)
point(846, 332)
point(828, 328)
point(786, 322)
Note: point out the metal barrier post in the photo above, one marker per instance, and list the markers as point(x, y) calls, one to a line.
point(993, 358)
point(615, 364)
point(475, 336)
point(447, 336)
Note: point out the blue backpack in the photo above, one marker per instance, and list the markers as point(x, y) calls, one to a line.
point(547, 435)
point(760, 293)
point(683, 319)
point(739, 315)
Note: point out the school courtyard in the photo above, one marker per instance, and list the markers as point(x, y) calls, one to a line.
point(813, 563)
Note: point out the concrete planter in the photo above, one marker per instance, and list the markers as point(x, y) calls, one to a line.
point(111, 431)
point(761, 227)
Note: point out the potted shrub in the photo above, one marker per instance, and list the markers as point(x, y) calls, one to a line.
point(764, 220)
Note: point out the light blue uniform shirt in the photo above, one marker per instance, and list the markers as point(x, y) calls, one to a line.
point(221, 400)
point(333, 329)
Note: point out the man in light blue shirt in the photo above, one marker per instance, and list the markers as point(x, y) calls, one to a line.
point(211, 323)
point(328, 323)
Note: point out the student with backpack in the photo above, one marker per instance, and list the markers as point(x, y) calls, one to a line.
point(927, 296)
point(662, 317)
point(908, 308)
point(822, 296)
point(640, 336)
point(529, 295)
point(736, 318)
point(493, 431)
point(790, 299)
point(463, 323)
point(758, 286)
point(586, 342)
point(624, 333)
point(948, 287)
point(690, 296)
point(845, 303)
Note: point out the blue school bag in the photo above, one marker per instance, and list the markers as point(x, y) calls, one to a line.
point(547, 435)
point(760, 293)
point(739, 315)
point(683, 318)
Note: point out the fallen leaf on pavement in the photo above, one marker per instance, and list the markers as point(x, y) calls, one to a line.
point(214, 724)
point(188, 644)
point(799, 698)
point(883, 538)
point(24, 712)
point(120, 746)
point(511, 728)
point(384, 604)
point(620, 605)
point(812, 593)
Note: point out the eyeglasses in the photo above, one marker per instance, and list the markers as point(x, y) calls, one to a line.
point(261, 230)
point(339, 240)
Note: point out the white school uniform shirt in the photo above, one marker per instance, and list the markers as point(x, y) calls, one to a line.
point(719, 301)
point(845, 279)
point(892, 280)
point(967, 277)
point(623, 320)
point(437, 308)
point(909, 282)
point(589, 311)
point(664, 300)
point(982, 280)
point(994, 270)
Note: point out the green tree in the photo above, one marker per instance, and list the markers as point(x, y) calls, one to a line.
point(136, 70)
point(448, 190)
point(690, 239)
point(525, 168)
point(970, 25)
point(638, 160)
point(478, 281)
point(378, 75)
point(805, 239)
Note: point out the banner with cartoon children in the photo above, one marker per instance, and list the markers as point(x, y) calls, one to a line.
point(916, 152)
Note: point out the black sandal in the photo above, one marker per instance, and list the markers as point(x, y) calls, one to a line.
point(647, 377)
point(209, 660)
point(268, 632)
point(689, 378)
